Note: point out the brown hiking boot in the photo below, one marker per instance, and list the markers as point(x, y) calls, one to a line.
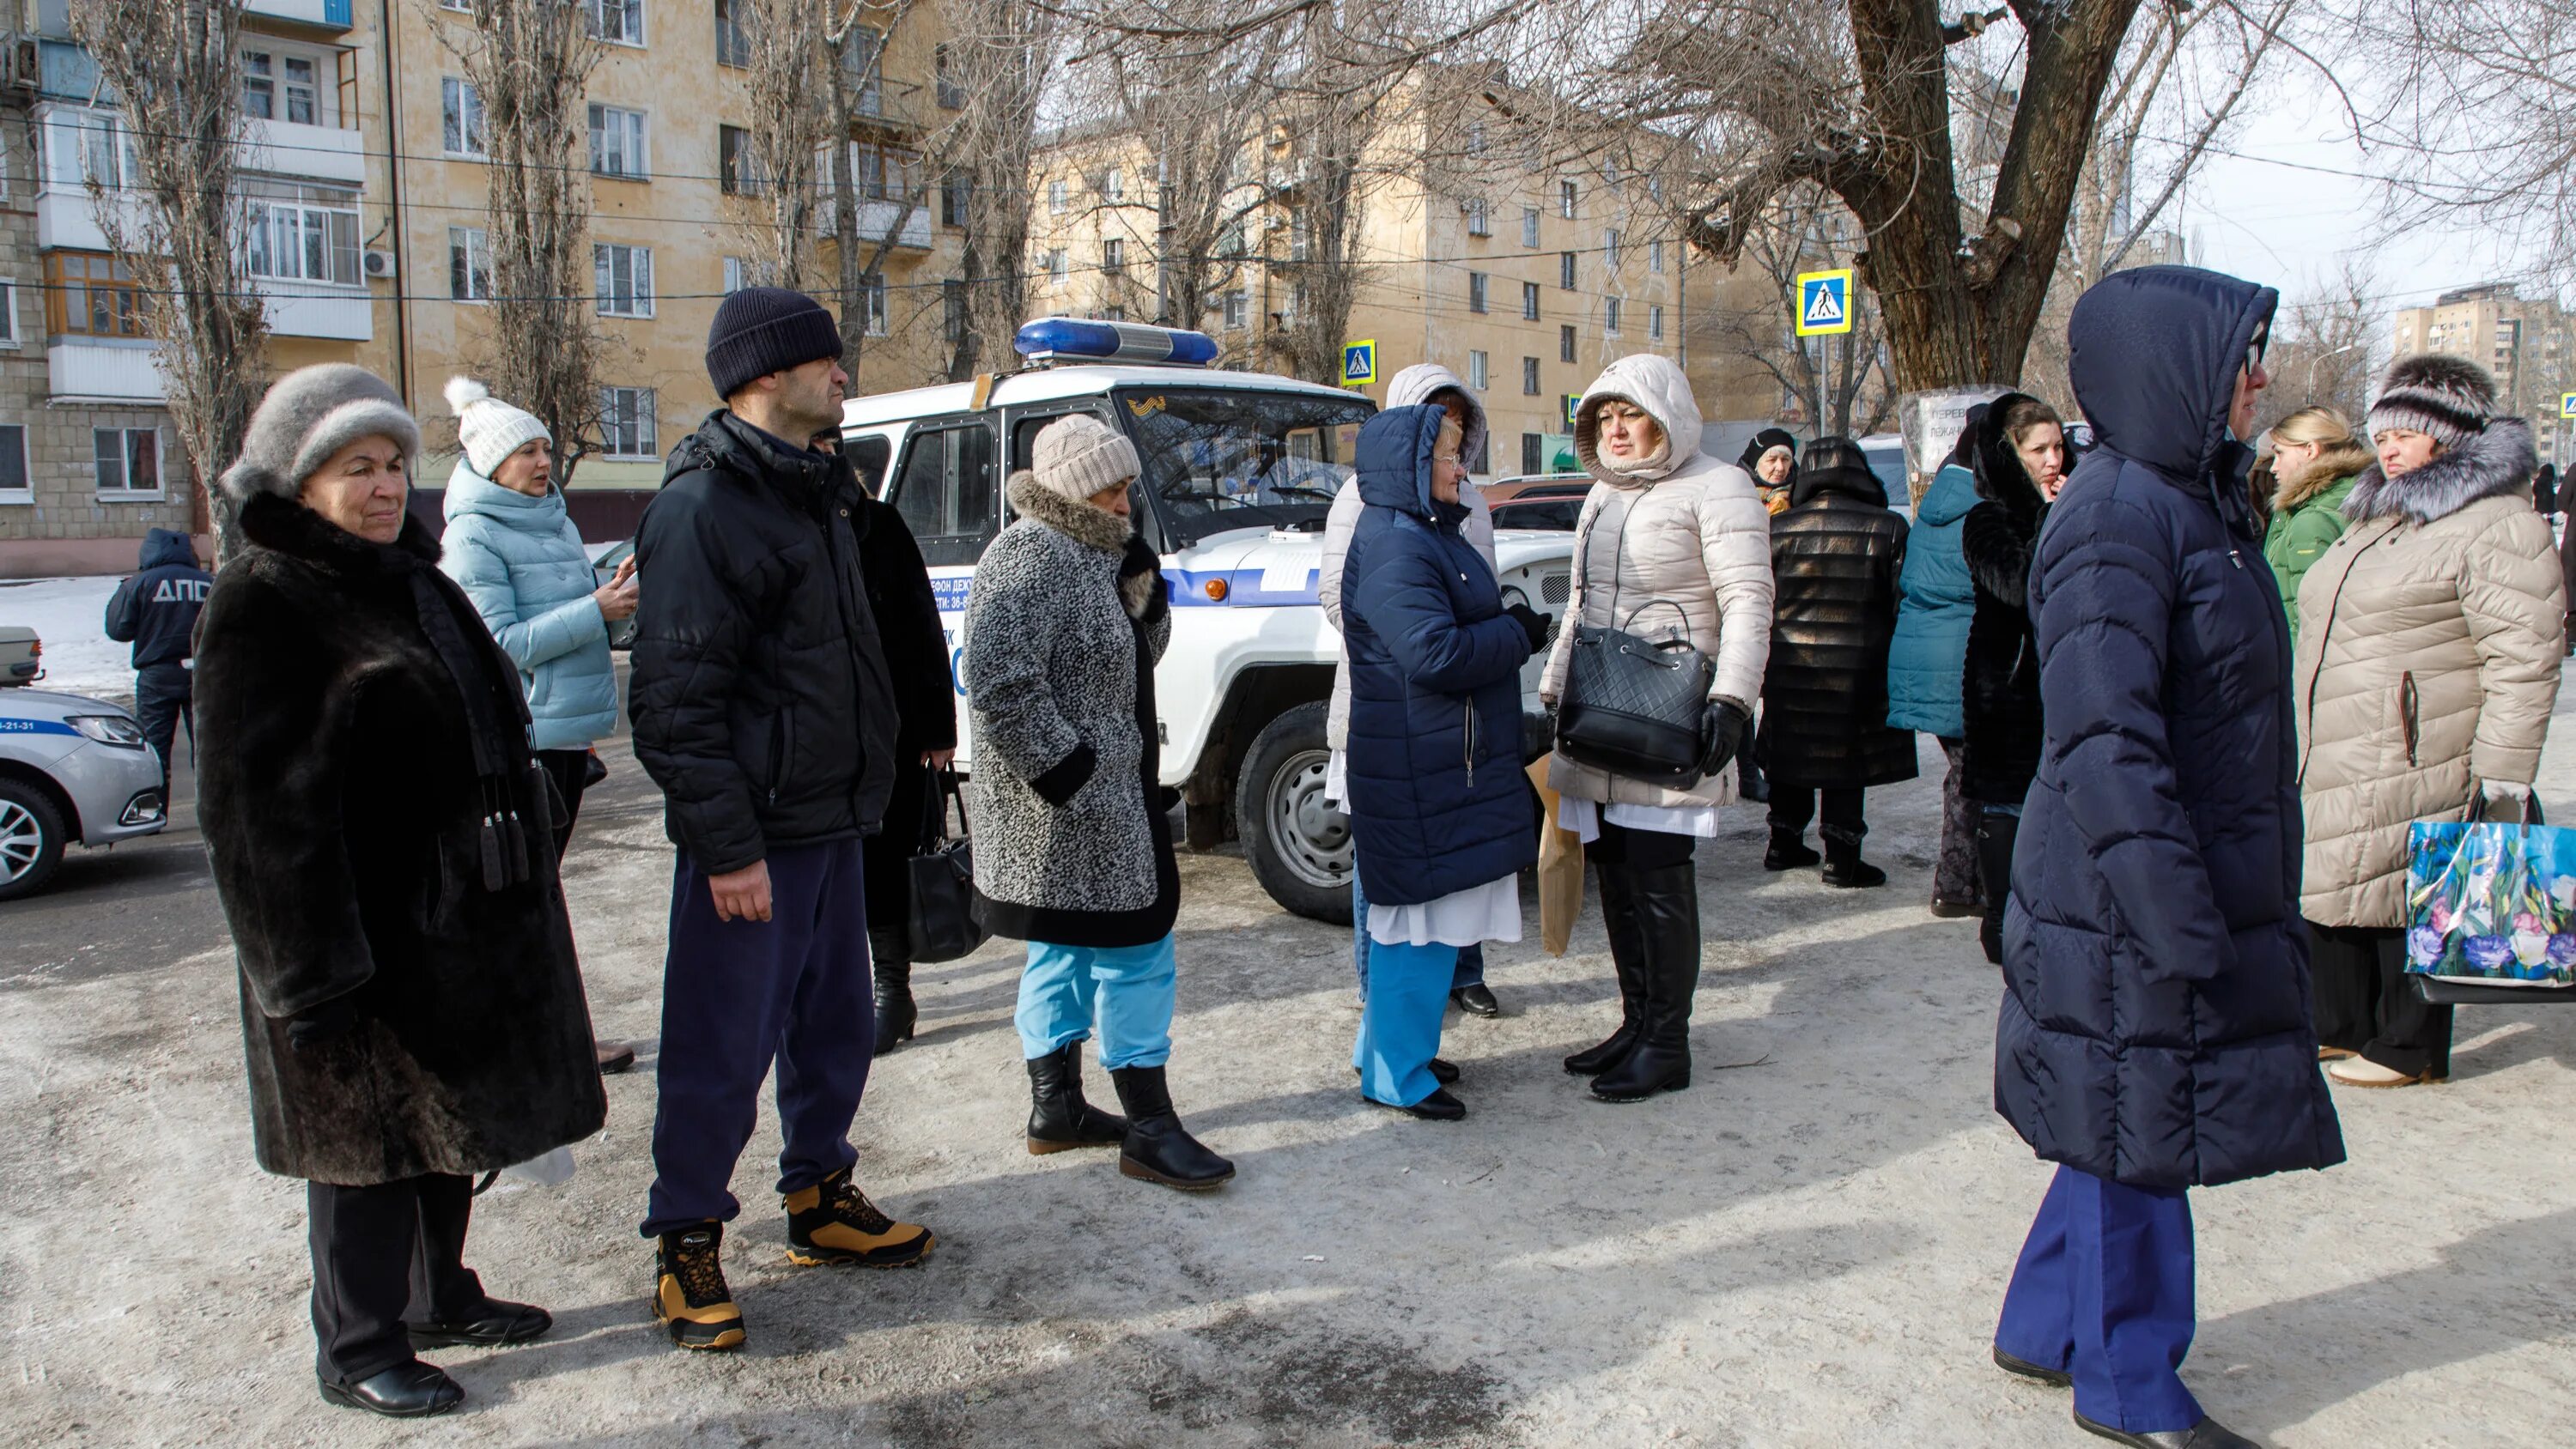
point(833, 1223)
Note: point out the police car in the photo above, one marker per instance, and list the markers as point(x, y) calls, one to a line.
point(1239, 471)
point(70, 769)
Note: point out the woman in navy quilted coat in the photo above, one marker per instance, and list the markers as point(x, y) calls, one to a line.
point(2155, 1033)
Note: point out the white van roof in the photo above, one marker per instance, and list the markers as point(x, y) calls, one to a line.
point(1046, 384)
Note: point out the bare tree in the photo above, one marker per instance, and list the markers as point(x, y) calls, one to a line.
point(529, 63)
point(855, 65)
point(1837, 381)
point(785, 44)
point(2479, 103)
point(2323, 345)
point(173, 65)
point(1001, 54)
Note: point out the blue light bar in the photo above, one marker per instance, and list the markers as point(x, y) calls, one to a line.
point(1050, 339)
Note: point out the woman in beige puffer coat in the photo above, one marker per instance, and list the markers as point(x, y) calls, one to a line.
point(2429, 642)
point(1669, 539)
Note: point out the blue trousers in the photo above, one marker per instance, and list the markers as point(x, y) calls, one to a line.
point(2104, 1291)
point(1400, 1021)
point(736, 995)
point(1127, 989)
point(1470, 970)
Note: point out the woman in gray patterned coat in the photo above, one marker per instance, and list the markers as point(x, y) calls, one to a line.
point(1073, 851)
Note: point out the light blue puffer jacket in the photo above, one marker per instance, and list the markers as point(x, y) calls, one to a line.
point(1929, 655)
point(522, 563)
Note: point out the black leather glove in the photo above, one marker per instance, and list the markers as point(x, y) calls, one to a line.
point(1534, 621)
point(321, 1024)
point(1538, 736)
point(1723, 724)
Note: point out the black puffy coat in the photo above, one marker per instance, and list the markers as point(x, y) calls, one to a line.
point(343, 801)
point(2156, 1026)
point(1999, 686)
point(760, 696)
point(1835, 558)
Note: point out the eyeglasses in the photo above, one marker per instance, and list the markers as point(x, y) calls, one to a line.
point(2254, 349)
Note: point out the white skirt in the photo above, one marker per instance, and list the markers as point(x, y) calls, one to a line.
point(1489, 912)
point(1337, 779)
point(1584, 817)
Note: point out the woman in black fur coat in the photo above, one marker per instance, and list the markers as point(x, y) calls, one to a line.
point(2020, 461)
point(381, 838)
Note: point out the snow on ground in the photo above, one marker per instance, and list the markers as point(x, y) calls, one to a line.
point(69, 616)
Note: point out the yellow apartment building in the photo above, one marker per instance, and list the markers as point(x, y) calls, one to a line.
point(2529, 344)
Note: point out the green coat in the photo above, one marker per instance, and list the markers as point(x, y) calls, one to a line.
point(2299, 534)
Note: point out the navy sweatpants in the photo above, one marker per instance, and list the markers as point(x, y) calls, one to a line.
point(735, 995)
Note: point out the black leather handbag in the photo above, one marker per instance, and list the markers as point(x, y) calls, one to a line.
point(941, 926)
point(1631, 705)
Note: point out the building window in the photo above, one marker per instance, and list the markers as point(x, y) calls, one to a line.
point(14, 487)
point(460, 117)
point(872, 303)
point(1655, 257)
point(617, 142)
point(619, 22)
point(1529, 301)
point(1478, 223)
point(469, 264)
point(952, 93)
point(8, 311)
point(89, 294)
point(887, 173)
point(863, 62)
point(292, 240)
point(1238, 311)
point(736, 175)
point(733, 40)
point(85, 146)
point(1529, 226)
point(1654, 324)
point(1565, 199)
point(1610, 315)
point(280, 87)
point(1059, 266)
point(1115, 187)
point(622, 279)
point(956, 198)
point(128, 460)
point(1475, 138)
point(1299, 242)
point(1565, 343)
point(1610, 249)
point(1533, 451)
point(955, 318)
point(1056, 200)
point(733, 276)
point(1479, 370)
point(1529, 377)
point(626, 423)
point(1231, 242)
point(1113, 257)
point(1476, 291)
point(1565, 270)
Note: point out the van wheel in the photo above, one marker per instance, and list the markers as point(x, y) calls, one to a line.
point(31, 839)
point(1300, 848)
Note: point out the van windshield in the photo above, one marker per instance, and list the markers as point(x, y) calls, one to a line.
point(1225, 458)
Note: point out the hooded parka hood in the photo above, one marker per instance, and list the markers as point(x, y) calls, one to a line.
point(164, 548)
point(2001, 478)
point(1411, 435)
point(1656, 385)
point(2153, 354)
point(1420, 383)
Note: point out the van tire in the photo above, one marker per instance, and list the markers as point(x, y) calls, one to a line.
point(28, 820)
point(1299, 850)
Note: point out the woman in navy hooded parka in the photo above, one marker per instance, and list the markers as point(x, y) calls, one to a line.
point(1443, 813)
point(2155, 1033)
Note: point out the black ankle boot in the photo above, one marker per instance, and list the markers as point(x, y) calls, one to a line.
point(1059, 1119)
point(1667, 905)
point(1627, 960)
point(1158, 1148)
point(895, 1013)
point(1843, 865)
point(1788, 851)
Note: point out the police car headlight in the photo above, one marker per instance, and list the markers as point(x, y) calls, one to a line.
point(109, 729)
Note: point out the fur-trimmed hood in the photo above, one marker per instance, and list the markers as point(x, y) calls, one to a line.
point(2497, 461)
point(2335, 462)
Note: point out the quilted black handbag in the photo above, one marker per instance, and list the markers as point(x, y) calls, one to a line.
point(941, 925)
point(1631, 705)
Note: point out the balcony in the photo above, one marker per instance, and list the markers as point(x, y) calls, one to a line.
point(67, 219)
point(305, 153)
point(909, 223)
point(331, 15)
point(101, 370)
point(308, 309)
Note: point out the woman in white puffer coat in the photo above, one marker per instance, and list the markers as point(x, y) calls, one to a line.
point(1669, 536)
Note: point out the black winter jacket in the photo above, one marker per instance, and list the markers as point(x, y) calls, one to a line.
point(1835, 557)
point(156, 610)
point(2000, 685)
point(908, 627)
point(760, 696)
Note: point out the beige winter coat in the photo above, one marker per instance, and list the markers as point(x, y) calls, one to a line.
point(1690, 532)
point(2430, 636)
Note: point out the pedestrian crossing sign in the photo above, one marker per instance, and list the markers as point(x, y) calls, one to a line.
point(1359, 363)
point(2567, 404)
point(1824, 302)
point(1573, 405)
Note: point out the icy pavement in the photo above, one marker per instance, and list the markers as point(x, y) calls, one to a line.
point(69, 615)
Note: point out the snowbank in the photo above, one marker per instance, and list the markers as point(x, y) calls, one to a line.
point(69, 615)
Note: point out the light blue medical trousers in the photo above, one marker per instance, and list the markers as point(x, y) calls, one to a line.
point(1400, 1021)
point(1127, 990)
point(1471, 959)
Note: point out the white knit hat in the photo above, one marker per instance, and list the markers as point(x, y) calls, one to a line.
point(488, 428)
point(1080, 455)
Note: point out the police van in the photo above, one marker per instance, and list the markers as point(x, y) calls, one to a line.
point(1239, 471)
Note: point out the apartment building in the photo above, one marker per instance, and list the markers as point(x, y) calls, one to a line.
point(365, 230)
point(2529, 343)
point(1522, 276)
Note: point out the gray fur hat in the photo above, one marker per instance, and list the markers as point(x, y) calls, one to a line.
point(308, 415)
point(2447, 398)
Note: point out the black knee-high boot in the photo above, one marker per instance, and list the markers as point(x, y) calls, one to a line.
point(1628, 960)
point(1995, 834)
point(896, 1015)
point(1667, 906)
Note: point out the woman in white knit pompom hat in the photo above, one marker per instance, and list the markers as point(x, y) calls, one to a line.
point(513, 549)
